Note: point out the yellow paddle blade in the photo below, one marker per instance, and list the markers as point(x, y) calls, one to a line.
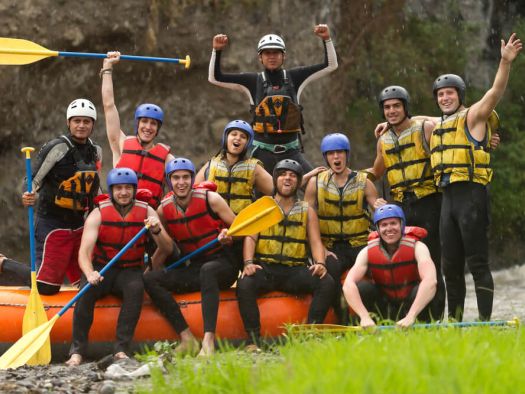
point(34, 316)
point(256, 217)
point(320, 328)
point(26, 347)
point(15, 51)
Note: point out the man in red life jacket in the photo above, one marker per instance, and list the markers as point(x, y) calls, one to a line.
point(193, 218)
point(139, 152)
point(403, 274)
point(107, 230)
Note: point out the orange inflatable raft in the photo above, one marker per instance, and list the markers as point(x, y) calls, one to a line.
point(276, 308)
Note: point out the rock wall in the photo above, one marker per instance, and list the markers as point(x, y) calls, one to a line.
point(34, 97)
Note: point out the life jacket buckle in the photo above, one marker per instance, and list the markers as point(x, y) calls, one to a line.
point(279, 149)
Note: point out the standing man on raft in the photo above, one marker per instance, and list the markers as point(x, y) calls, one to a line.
point(274, 95)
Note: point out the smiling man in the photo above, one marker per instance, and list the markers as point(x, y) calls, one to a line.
point(403, 153)
point(65, 182)
point(277, 258)
point(193, 218)
point(460, 159)
point(139, 152)
point(274, 94)
point(108, 228)
point(403, 276)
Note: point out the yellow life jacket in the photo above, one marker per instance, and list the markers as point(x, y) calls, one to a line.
point(456, 156)
point(343, 215)
point(407, 162)
point(235, 184)
point(277, 114)
point(285, 242)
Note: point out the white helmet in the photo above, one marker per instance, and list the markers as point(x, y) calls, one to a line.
point(81, 107)
point(271, 41)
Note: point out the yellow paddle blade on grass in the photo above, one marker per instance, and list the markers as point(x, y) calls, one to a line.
point(23, 349)
point(16, 51)
point(34, 316)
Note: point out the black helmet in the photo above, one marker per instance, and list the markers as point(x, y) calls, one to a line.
point(395, 92)
point(290, 165)
point(450, 81)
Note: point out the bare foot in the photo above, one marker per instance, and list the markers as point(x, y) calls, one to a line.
point(74, 361)
point(252, 348)
point(120, 356)
point(189, 346)
point(208, 345)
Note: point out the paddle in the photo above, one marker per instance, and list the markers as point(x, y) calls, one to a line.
point(35, 313)
point(26, 347)
point(15, 51)
point(336, 328)
point(253, 219)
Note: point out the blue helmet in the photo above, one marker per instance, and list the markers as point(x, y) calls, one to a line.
point(238, 125)
point(390, 211)
point(148, 111)
point(180, 163)
point(122, 176)
point(335, 141)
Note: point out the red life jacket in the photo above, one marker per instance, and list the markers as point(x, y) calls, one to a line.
point(194, 227)
point(148, 164)
point(116, 231)
point(398, 274)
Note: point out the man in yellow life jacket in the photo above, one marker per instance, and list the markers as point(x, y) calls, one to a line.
point(274, 94)
point(403, 153)
point(65, 182)
point(460, 161)
point(343, 199)
point(277, 258)
point(108, 228)
point(139, 152)
point(394, 276)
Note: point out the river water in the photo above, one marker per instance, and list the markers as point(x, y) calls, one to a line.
point(509, 295)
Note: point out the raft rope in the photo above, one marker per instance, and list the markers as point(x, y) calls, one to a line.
point(182, 303)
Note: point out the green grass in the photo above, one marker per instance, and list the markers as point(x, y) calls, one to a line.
point(478, 360)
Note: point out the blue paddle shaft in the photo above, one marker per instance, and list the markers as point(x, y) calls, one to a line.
point(104, 270)
point(455, 324)
point(30, 214)
point(123, 57)
point(195, 252)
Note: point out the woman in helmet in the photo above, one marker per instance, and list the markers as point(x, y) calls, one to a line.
point(274, 95)
point(65, 182)
point(233, 171)
point(139, 152)
point(402, 272)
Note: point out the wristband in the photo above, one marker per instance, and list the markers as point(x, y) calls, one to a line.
point(105, 71)
point(247, 262)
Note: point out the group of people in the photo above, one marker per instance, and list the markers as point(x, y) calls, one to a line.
point(438, 169)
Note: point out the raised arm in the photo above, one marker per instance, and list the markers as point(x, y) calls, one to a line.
point(115, 135)
point(263, 181)
point(480, 111)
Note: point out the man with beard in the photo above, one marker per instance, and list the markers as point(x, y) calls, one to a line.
point(342, 198)
point(403, 276)
point(138, 152)
point(65, 183)
point(277, 258)
point(193, 218)
point(274, 95)
point(460, 161)
point(108, 229)
point(403, 153)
